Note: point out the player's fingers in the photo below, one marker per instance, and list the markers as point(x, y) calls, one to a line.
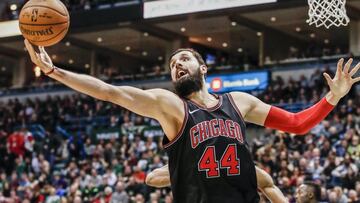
point(37, 56)
point(42, 56)
point(42, 49)
point(356, 80)
point(354, 70)
point(347, 66)
point(33, 54)
point(339, 67)
point(328, 78)
point(31, 50)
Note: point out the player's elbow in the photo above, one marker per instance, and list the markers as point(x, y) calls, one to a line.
point(265, 181)
point(149, 180)
point(301, 131)
point(109, 92)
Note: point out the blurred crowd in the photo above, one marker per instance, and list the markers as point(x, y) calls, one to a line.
point(62, 162)
point(55, 167)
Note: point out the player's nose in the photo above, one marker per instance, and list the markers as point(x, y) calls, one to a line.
point(178, 64)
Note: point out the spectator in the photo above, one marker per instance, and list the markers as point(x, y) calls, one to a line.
point(120, 195)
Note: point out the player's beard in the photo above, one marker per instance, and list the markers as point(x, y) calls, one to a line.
point(188, 84)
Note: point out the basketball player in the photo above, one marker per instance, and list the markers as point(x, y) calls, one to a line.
point(308, 192)
point(209, 160)
point(160, 177)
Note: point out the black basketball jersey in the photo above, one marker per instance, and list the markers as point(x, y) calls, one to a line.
point(209, 160)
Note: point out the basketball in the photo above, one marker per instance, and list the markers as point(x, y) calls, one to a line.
point(44, 22)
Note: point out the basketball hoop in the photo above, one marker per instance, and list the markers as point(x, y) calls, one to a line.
point(327, 13)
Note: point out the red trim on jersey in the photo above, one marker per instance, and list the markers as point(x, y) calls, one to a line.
point(211, 108)
point(298, 123)
point(235, 107)
point(178, 135)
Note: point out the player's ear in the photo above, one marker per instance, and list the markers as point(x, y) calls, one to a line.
point(311, 195)
point(203, 69)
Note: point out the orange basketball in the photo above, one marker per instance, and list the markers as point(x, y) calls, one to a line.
point(44, 22)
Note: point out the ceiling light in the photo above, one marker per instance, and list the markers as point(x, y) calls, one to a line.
point(160, 58)
point(13, 7)
point(209, 39)
point(312, 35)
point(183, 29)
point(240, 50)
point(99, 39)
point(146, 34)
point(3, 68)
point(326, 41)
point(273, 19)
point(144, 53)
point(54, 56)
point(259, 34)
point(67, 43)
point(233, 23)
point(87, 66)
point(71, 61)
point(224, 44)
point(127, 48)
point(298, 29)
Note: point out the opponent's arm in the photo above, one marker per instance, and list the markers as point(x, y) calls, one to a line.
point(257, 112)
point(159, 177)
point(267, 186)
point(150, 103)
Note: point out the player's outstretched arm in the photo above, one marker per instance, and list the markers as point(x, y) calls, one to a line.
point(257, 112)
point(150, 103)
point(159, 177)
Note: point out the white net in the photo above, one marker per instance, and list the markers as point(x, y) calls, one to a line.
point(327, 13)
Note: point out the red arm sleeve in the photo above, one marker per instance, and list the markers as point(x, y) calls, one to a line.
point(298, 123)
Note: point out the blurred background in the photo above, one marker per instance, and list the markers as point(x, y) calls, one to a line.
point(60, 146)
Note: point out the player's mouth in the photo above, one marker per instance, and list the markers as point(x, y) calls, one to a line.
point(180, 74)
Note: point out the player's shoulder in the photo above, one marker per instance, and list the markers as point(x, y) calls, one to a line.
point(240, 95)
point(164, 94)
point(243, 98)
point(161, 91)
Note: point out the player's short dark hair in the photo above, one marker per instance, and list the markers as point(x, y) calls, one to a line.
point(195, 54)
point(315, 188)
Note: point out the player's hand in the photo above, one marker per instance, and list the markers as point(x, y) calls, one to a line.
point(41, 59)
point(341, 84)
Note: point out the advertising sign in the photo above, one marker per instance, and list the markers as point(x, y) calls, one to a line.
point(248, 81)
point(161, 8)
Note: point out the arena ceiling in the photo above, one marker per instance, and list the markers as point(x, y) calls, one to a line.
point(231, 31)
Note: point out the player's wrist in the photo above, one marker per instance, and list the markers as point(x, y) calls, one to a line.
point(332, 99)
point(50, 70)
